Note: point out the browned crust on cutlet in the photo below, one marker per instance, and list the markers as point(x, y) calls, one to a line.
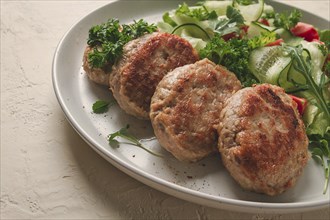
point(134, 80)
point(185, 108)
point(284, 142)
point(264, 145)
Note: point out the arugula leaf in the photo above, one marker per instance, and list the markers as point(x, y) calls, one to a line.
point(303, 65)
point(318, 109)
point(320, 148)
point(108, 40)
point(101, 106)
point(123, 133)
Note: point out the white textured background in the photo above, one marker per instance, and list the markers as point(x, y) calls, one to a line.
point(47, 170)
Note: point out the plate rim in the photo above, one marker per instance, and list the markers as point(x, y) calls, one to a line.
point(159, 183)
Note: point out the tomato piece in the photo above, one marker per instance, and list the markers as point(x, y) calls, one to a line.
point(264, 21)
point(301, 103)
point(229, 36)
point(275, 43)
point(245, 28)
point(306, 31)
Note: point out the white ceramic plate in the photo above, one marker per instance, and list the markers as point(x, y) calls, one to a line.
point(206, 182)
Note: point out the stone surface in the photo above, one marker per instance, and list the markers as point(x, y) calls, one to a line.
point(47, 170)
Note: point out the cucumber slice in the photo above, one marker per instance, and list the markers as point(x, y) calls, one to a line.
point(288, 37)
point(220, 7)
point(268, 8)
point(267, 63)
point(250, 12)
point(164, 27)
point(317, 59)
point(196, 43)
point(256, 28)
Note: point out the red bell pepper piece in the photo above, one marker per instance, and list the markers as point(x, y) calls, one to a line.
point(275, 43)
point(264, 21)
point(301, 103)
point(229, 36)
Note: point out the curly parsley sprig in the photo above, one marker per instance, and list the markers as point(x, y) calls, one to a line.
point(108, 40)
point(284, 20)
point(234, 54)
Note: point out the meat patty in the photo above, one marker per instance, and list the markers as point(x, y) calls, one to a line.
point(186, 105)
point(145, 62)
point(98, 75)
point(262, 139)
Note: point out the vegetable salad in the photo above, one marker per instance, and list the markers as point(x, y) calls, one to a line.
point(262, 46)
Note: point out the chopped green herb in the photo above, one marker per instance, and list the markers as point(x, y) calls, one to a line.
point(101, 106)
point(123, 133)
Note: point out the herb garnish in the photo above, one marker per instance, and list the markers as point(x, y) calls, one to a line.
point(108, 40)
point(101, 106)
point(123, 133)
point(232, 24)
point(201, 14)
point(302, 63)
point(245, 2)
point(234, 54)
point(319, 146)
point(284, 20)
